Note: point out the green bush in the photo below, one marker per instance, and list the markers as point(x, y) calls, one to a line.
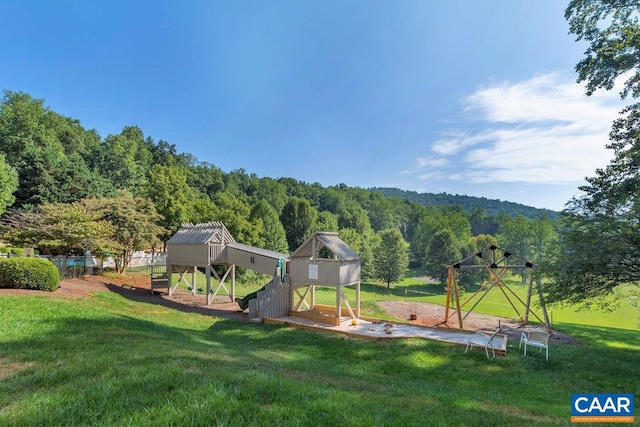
point(16, 251)
point(28, 273)
point(4, 250)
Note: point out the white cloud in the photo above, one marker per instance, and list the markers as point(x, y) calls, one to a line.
point(430, 162)
point(543, 130)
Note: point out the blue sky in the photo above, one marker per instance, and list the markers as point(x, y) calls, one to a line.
point(464, 97)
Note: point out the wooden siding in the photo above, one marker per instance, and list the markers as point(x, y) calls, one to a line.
point(256, 259)
point(273, 301)
point(217, 255)
point(330, 272)
point(349, 273)
point(183, 254)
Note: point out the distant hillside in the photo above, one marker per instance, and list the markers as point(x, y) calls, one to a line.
point(492, 207)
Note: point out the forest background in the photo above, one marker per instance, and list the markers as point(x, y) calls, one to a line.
point(74, 191)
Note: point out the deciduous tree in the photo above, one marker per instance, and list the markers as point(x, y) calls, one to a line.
point(391, 257)
point(272, 231)
point(600, 242)
point(8, 184)
point(60, 229)
point(298, 217)
point(443, 250)
point(134, 221)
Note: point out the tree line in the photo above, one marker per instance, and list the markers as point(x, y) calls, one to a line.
point(66, 189)
point(70, 190)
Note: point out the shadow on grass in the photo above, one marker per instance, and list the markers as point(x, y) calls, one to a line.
point(197, 304)
point(111, 367)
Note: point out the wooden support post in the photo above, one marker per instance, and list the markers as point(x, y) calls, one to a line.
point(193, 280)
point(343, 297)
point(542, 304)
point(208, 271)
point(313, 295)
point(358, 300)
point(458, 310)
point(339, 303)
point(233, 282)
point(449, 289)
point(528, 304)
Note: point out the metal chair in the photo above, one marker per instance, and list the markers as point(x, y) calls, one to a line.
point(482, 339)
point(535, 338)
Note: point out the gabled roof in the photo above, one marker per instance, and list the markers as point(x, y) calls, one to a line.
point(327, 239)
point(203, 234)
point(493, 257)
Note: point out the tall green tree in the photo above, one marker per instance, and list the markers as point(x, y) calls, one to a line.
point(610, 27)
point(600, 240)
point(443, 250)
point(272, 231)
point(599, 244)
point(391, 256)
point(235, 214)
point(8, 184)
point(483, 241)
point(174, 199)
point(381, 211)
point(49, 176)
point(272, 191)
point(126, 159)
point(206, 178)
point(25, 123)
point(364, 246)
point(515, 236)
point(326, 221)
point(298, 218)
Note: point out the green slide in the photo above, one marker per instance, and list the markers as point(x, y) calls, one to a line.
point(244, 302)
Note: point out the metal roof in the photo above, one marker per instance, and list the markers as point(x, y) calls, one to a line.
point(331, 241)
point(201, 234)
point(258, 251)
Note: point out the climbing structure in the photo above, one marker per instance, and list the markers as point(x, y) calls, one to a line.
point(495, 262)
point(203, 246)
point(322, 260)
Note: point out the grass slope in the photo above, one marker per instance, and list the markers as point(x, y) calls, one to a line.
point(107, 360)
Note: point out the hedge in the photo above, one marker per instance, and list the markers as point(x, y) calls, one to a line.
point(13, 251)
point(28, 273)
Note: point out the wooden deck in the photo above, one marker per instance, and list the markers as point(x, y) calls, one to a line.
point(375, 329)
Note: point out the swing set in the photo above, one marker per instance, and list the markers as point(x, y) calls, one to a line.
point(496, 262)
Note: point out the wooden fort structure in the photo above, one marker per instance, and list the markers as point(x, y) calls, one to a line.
point(322, 260)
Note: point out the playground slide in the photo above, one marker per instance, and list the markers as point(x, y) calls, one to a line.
point(244, 302)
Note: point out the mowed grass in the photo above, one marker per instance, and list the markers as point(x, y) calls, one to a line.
point(109, 360)
point(568, 319)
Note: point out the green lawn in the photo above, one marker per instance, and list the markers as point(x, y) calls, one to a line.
point(109, 360)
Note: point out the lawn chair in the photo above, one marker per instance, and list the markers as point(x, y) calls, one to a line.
point(482, 339)
point(535, 338)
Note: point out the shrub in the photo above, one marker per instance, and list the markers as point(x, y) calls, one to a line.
point(4, 250)
point(28, 273)
point(16, 251)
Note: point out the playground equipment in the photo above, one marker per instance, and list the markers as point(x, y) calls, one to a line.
point(322, 260)
point(244, 302)
point(495, 261)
